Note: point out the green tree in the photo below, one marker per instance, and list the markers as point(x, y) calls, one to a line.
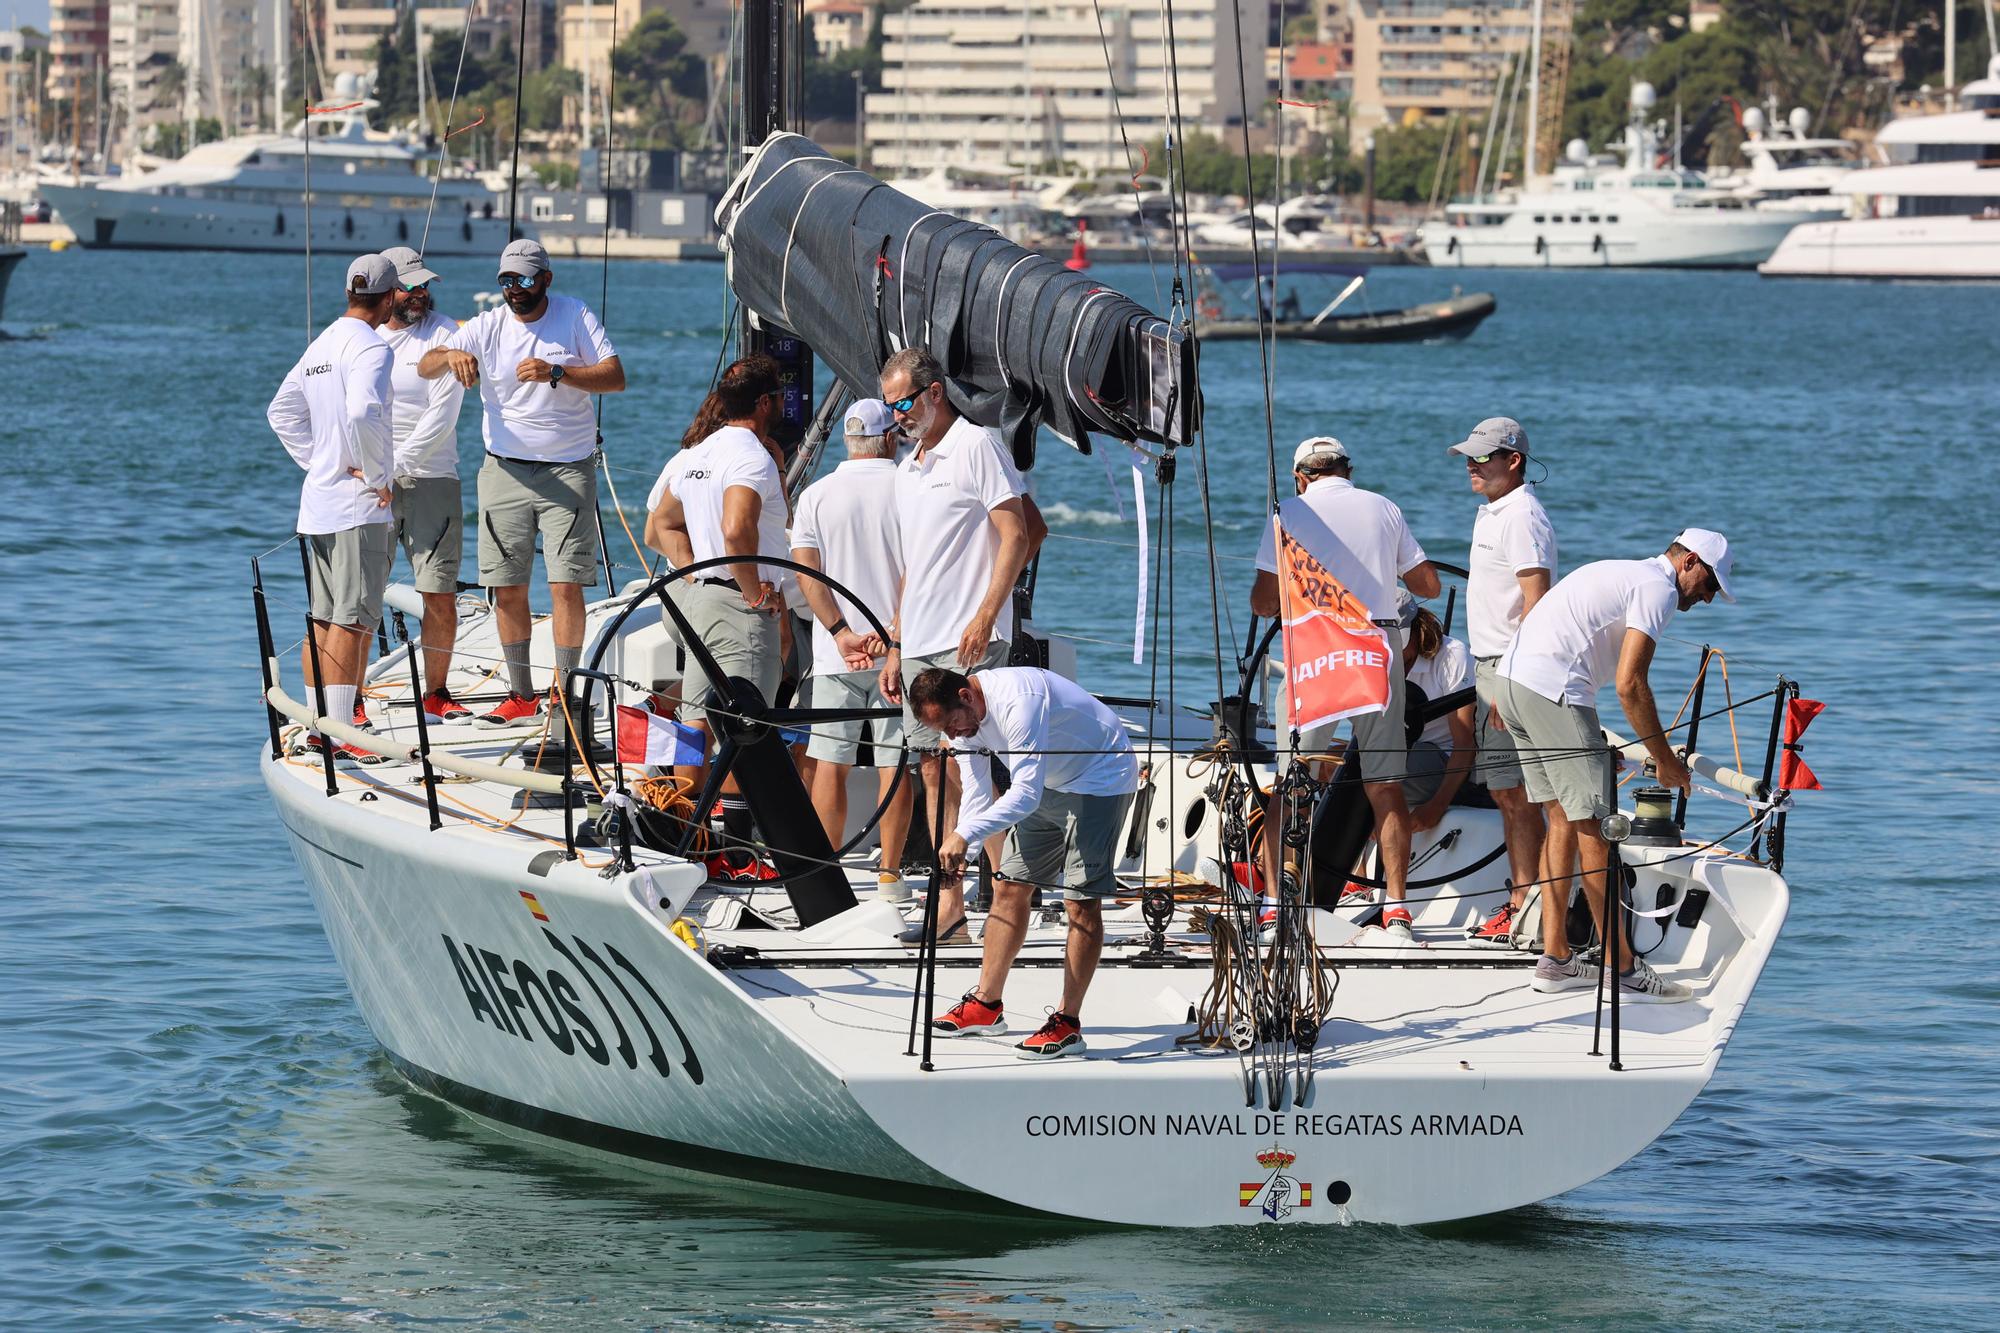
point(544, 94)
point(654, 75)
point(1210, 166)
point(829, 84)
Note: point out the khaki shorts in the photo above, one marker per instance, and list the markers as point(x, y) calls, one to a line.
point(1499, 761)
point(840, 742)
point(1382, 737)
point(916, 735)
point(517, 500)
point(1563, 755)
point(430, 526)
point(1069, 839)
point(350, 569)
point(743, 641)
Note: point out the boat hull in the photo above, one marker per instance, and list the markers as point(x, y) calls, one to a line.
point(1433, 322)
point(137, 220)
point(1742, 239)
point(10, 258)
point(1945, 248)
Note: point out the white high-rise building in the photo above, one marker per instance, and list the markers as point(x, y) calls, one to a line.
point(144, 39)
point(229, 49)
point(1003, 85)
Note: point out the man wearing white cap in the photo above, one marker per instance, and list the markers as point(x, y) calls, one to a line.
point(429, 506)
point(332, 414)
point(844, 527)
point(1512, 564)
point(1361, 540)
point(1600, 623)
point(536, 364)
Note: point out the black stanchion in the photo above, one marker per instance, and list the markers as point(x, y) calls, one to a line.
point(413, 651)
point(267, 654)
point(319, 674)
point(1694, 730)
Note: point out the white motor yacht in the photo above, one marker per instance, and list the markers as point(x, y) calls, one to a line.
point(1786, 170)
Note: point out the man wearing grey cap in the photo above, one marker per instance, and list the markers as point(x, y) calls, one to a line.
point(536, 364)
point(1510, 567)
point(332, 415)
point(1600, 623)
point(429, 507)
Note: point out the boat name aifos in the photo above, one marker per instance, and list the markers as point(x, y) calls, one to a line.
point(1262, 1126)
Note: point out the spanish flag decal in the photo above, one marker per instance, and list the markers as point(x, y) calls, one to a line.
point(1247, 1194)
point(1305, 1195)
point(534, 905)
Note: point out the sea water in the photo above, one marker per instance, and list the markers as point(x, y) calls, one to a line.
point(196, 1128)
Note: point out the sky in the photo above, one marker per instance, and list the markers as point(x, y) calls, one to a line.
point(27, 13)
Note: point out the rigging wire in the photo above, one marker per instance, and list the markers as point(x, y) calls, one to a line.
point(444, 141)
point(514, 173)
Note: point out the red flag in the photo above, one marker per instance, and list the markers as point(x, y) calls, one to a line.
point(1793, 775)
point(1337, 660)
point(648, 738)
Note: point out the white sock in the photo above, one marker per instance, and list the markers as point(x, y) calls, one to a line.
point(340, 702)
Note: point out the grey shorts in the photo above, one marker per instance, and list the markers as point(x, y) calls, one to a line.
point(915, 734)
point(349, 571)
point(1423, 774)
point(1381, 736)
point(1069, 839)
point(430, 527)
point(840, 742)
point(517, 500)
point(1499, 761)
point(1563, 755)
point(744, 642)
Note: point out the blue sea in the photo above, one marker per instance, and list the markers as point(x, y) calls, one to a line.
point(196, 1129)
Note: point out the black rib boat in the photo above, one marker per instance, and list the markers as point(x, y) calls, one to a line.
point(1433, 321)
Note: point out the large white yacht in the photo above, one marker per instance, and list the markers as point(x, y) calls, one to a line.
point(370, 190)
point(1613, 211)
point(1932, 212)
point(1785, 169)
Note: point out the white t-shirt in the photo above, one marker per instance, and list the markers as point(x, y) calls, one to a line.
point(1049, 732)
point(1510, 536)
point(732, 456)
point(1447, 673)
point(842, 516)
point(943, 498)
point(332, 414)
point(423, 413)
point(544, 423)
point(1567, 647)
point(1358, 535)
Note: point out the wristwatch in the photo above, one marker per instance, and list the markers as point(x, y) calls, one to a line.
point(555, 374)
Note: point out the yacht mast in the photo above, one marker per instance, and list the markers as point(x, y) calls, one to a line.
point(1534, 97)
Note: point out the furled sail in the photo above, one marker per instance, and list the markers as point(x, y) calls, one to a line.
point(822, 250)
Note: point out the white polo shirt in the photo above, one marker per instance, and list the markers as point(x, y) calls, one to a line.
point(535, 421)
point(332, 414)
point(1359, 536)
point(1446, 673)
point(842, 516)
point(1050, 732)
point(698, 477)
point(943, 498)
point(1510, 536)
point(1567, 647)
point(423, 413)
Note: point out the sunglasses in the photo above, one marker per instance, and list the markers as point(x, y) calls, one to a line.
point(416, 286)
point(515, 280)
point(1489, 456)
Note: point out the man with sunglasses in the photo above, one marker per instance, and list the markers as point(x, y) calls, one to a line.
point(1600, 623)
point(536, 364)
point(429, 505)
point(1511, 565)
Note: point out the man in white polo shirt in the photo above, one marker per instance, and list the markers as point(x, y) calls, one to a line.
point(536, 364)
point(332, 415)
point(1512, 564)
point(1361, 539)
point(430, 507)
point(1071, 775)
point(967, 528)
point(1599, 624)
point(843, 527)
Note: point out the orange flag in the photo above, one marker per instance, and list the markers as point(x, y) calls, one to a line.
point(1337, 660)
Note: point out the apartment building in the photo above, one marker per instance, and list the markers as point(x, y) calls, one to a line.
point(79, 44)
point(999, 85)
point(142, 38)
point(1424, 59)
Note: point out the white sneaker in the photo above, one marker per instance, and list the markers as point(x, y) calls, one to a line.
point(1572, 973)
point(892, 888)
point(1642, 985)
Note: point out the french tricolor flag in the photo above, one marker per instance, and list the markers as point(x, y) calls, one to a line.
point(648, 738)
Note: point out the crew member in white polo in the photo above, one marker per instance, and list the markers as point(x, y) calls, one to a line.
point(429, 506)
point(1601, 623)
point(1511, 566)
point(1071, 775)
point(1362, 540)
point(843, 527)
point(536, 364)
point(332, 415)
point(968, 529)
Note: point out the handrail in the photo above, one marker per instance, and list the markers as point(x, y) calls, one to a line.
point(477, 769)
point(1719, 773)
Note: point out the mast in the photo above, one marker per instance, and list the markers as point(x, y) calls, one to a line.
point(1534, 96)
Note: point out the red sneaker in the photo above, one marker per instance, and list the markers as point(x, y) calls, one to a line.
point(512, 709)
point(361, 715)
point(1498, 926)
point(346, 756)
point(440, 707)
point(1396, 920)
point(971, 1017)
point(1059, 1036)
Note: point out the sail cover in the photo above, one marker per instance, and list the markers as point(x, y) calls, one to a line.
point(822, 250)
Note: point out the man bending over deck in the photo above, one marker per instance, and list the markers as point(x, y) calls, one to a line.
point(1071, 775)
point(1605, 617)
point(332, 413)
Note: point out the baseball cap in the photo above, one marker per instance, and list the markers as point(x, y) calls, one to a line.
point(370, 275)
point(1492, 435)
point(1713, 548)
point(869, 416)
point(524, 257)
point(410, 270)
point(1406, 608)
point(1319, 448)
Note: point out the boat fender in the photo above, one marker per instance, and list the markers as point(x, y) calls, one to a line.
point(347, 225)
point(1451, 247)
point(1541, 246)
point(402, 229)
point(278, 228)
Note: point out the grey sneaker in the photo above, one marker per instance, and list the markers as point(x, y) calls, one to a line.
point(1572, 973)
point(1642, 985)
